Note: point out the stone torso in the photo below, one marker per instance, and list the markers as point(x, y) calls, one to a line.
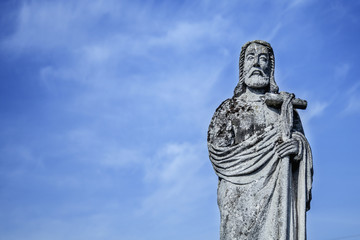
point(239, 118)
point(245, 208)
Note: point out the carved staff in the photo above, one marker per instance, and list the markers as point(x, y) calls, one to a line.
point(286, 102)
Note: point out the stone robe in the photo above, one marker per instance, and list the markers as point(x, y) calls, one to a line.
point(259, 195)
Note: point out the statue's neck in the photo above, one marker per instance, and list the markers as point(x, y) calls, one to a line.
point(254, 94)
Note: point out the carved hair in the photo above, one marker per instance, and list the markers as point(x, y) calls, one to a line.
point(240, 88)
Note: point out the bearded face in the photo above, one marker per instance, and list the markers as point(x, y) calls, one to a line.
point(256, 66)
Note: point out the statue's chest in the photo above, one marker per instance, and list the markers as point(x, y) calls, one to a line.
point(252, 118)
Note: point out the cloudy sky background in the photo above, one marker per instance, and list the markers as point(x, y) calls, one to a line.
point(105, 107)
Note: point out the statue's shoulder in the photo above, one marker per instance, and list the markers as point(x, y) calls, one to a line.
point(229, 107)
point(222, 111)
point(221, 125)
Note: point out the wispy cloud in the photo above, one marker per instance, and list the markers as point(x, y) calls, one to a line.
point(187, 36)
point(274, 32)
point(179, 174)
point(297, 3)
point(353, 99)
point(316, 109)
point(353, 105)
point(20, 155)
point(341, 71)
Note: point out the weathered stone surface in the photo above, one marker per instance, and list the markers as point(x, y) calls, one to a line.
point(260, 154)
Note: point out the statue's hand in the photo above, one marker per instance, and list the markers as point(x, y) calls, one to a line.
point(288, 148)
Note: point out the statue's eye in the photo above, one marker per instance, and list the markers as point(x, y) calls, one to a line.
point(250, 57)
point(264, 59)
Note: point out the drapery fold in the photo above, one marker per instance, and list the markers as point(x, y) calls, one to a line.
point(255, 164)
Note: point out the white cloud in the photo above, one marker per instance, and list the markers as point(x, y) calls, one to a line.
point(353, 89)
point(179, 172)
point(122, 157)
point(274, 32)
point(22, 156)
point(97, 53)
point(46, 26)
point(353, 105)
point(43, 25)
point(316, 109)
point(341, 71)
point(297, 3)
point(100, 63)
point(352, 100)
point(189, 35)
point(88, 145)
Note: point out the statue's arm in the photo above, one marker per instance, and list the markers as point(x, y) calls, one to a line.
point(293, 147)
point(220, 132)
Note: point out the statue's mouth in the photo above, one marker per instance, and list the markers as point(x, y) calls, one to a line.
point(256, 73)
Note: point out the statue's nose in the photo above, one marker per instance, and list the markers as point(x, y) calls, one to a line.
point(256, 63)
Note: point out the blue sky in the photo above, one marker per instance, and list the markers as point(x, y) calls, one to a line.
point(105, 107)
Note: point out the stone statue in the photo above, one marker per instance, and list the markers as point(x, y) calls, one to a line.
point(260, 154)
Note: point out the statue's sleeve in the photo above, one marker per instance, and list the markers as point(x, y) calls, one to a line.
point(303, 170)
point(221, 132)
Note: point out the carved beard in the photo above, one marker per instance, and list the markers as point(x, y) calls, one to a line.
point(256, 78)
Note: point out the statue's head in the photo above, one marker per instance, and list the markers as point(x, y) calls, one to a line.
point(256, 67)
